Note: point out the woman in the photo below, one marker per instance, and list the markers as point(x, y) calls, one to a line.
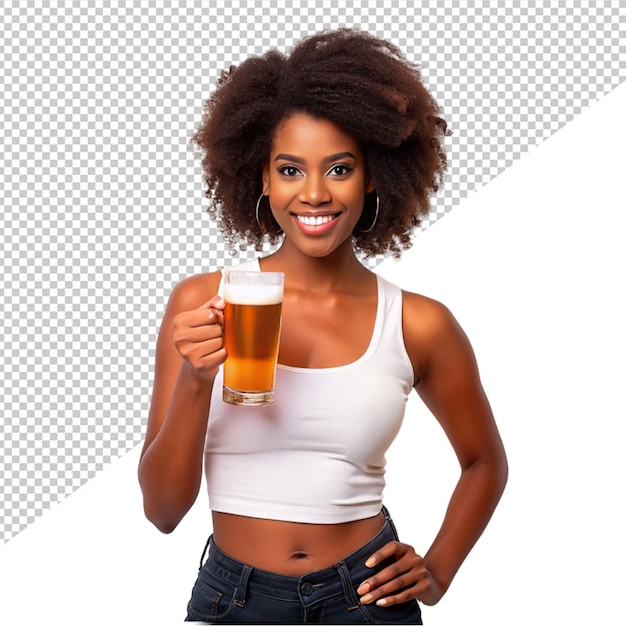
point(330, 151)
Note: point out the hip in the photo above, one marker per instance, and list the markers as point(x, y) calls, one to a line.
point(230, 590)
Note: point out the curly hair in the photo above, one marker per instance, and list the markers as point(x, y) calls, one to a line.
point(361, 83)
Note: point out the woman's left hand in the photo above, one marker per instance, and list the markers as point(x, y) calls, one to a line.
point(405, 579)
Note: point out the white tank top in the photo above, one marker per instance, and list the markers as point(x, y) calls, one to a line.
point(317, 454)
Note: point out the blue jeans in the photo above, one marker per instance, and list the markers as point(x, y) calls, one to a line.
point(229, 591)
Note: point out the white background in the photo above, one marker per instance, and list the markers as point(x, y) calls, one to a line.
point(536, 280)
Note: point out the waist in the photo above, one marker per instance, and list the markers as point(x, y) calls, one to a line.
point(277, 581)
point(290, 548)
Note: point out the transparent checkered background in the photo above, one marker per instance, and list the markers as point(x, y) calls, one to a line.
point(102, 206)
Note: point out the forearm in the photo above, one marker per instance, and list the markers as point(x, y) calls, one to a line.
point(170, 470)
point(472, 504)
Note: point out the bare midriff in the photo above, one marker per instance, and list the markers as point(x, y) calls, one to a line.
point(290, 548)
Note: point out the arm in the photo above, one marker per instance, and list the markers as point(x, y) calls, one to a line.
point(189, 352)
point(449, 384)
point(452, 390)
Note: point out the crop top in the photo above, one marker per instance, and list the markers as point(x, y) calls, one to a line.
point(317, 453)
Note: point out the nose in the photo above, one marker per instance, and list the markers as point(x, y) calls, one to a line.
point(314, 190)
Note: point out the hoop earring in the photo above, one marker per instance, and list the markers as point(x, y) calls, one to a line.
point(258, 221)
point(367, 230)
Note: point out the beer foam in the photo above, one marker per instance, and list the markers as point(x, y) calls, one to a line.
point(253, 294)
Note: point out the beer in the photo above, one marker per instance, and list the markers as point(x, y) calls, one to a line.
point(252, 320)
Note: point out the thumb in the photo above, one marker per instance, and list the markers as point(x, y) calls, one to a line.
point(216, 302)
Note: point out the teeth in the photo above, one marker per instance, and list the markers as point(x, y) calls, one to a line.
point(310, 220)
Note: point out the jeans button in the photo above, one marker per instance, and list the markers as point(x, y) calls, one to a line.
point(306, 589)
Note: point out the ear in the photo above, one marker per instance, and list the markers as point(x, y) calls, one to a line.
point(265, 177)
point(369, 185)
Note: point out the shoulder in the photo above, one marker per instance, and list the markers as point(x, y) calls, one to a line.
point(423, 317)
point(431, 332)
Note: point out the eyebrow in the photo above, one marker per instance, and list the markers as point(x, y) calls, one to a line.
point(295, 159)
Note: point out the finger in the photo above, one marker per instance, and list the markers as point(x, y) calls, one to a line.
point(421, 590)
point(411, 593)
point(389, 549)
point(199, 334)
point(197, 317)
point(387, 581)
point(386, 586)
point(219, 316)
point(213, 359)
point(197, 327)
point(205, 356)
point(401, 589)
point(198, 341)
point(216, 315)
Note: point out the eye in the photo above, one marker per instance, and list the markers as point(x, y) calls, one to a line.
point(289, 171)
point(339, 169)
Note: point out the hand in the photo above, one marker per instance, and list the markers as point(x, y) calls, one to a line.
point(405, 579)
point(198, 337)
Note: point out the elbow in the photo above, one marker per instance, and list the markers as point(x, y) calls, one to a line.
point(498, 463)
point(166, 500)
point(162, 512)
point(503, 469)
point(499, 474)
point(498, 470)
point(164, 520)
point(166, 530)
point(164, 526)
point(494, 470)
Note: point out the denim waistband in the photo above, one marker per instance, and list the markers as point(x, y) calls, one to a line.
point(306, 587)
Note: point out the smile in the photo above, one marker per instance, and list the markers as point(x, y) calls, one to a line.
point(315, 220)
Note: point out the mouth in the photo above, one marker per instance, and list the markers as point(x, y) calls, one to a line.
point(316, 220)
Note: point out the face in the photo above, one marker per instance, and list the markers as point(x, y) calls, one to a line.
point(316, 182)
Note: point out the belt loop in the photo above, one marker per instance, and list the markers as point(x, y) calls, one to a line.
point(348, 589)
point(390, 522)
point(206, 547)
point(242, 588)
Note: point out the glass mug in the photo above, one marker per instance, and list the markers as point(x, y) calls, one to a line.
point(252, 321)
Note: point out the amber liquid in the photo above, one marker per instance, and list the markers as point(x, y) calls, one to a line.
point(251, 337)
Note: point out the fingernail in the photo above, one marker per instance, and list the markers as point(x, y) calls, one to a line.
point(370, 562)
point(363, 588)
point(367, 598)
point(381, 602)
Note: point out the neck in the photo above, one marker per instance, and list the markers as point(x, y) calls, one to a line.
point(339, 270)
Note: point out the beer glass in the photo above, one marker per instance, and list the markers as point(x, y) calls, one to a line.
point(252, 319)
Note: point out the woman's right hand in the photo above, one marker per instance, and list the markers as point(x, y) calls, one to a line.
point(199, 338)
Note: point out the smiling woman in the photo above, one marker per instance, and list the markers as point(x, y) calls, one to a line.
point(339, 154)
point(316, 181)
point(362, 84)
